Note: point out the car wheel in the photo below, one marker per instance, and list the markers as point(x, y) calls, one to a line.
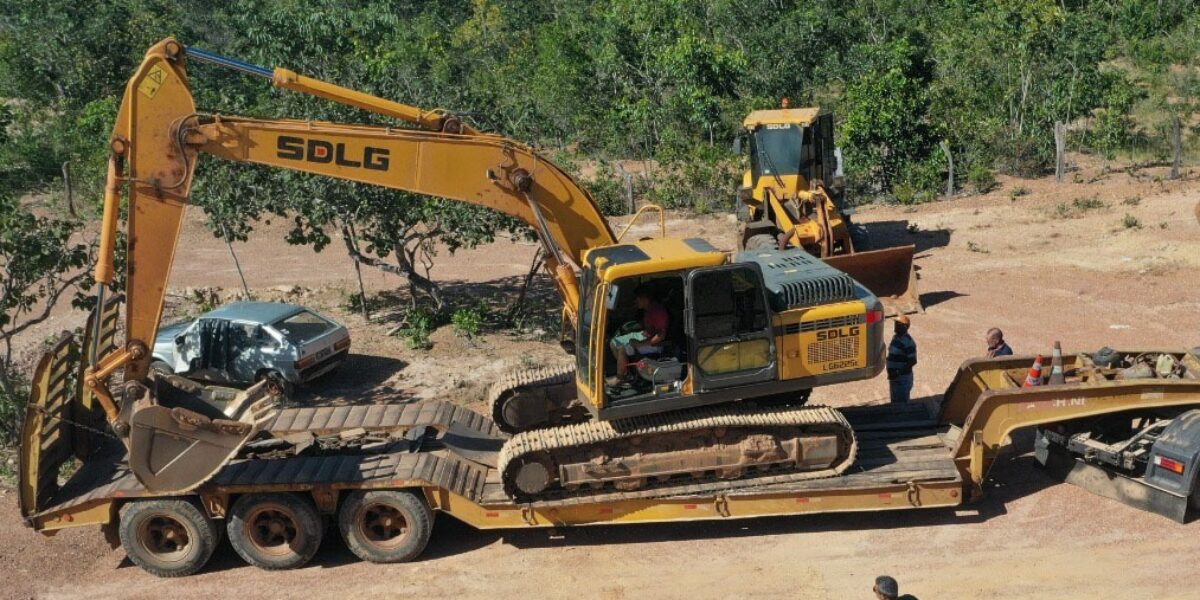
point(276, 384)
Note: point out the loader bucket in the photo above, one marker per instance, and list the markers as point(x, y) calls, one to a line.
point(888, 273)
point(174, 449)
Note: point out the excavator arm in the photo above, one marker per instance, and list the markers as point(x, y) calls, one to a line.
point(159, 137)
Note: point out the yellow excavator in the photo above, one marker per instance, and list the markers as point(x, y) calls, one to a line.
point(718, 397)
point(792, 196)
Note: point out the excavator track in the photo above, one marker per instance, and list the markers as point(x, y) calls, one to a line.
point(533, 398)
point(694, 451)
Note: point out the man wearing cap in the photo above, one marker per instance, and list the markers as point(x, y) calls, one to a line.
point(886, 588)
point(901, 356)
point(996, 346)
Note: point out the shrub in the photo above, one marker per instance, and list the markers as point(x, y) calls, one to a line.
point(1093, 202)
point(608, 189)
point(1131, 222)
point(419, 323)
point(467, 321)
point(981, 178)
point(13, 395)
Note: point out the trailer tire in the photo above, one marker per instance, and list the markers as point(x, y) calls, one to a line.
point(385, 526)
point(275, 531)
point(167, 538)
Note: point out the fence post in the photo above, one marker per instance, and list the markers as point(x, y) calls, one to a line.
point(628, 178)
point(66, 171)
point(1176, 146)
point(950, 169)
point(1060, 149)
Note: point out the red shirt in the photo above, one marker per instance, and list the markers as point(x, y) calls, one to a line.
point(655, 321)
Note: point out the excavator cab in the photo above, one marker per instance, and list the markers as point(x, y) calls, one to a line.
point(767, 324)
point(792, 196)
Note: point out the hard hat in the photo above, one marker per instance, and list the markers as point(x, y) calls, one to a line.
point(903, 319)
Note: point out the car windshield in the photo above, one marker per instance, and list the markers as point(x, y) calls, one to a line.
point(302, 326)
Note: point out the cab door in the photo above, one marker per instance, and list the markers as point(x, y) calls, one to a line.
point(729, 327)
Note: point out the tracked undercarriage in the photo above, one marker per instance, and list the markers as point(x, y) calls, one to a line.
point(721, 447)
point(534, 398)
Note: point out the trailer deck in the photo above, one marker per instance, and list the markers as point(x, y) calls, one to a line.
point(904, 461)
point(909, 456)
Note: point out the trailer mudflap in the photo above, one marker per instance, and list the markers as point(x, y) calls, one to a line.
point(1110, 484)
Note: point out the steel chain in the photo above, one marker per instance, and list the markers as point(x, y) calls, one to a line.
point(48, 414)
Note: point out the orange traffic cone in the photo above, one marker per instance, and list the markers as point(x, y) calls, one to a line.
point(1057, 376)
point(1035, 373)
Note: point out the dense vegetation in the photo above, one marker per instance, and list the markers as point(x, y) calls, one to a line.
point(662, 81)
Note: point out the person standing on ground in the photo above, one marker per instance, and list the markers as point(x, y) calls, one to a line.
point(901, 357)
point(996, 346)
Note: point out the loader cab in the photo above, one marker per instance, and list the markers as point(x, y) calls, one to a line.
point(788, 150)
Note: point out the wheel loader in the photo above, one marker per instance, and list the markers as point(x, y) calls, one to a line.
point(793, 196)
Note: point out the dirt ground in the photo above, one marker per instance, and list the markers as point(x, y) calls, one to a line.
point(1043, 261)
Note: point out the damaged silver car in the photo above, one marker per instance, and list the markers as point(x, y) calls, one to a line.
point(247, 342)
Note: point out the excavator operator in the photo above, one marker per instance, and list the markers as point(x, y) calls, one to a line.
point(649, 341)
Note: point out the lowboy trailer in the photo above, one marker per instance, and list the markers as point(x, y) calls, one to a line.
point(384, 470)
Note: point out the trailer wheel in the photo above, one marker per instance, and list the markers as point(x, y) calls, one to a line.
point(275, 531)
point(385, 526)
point(167, 538)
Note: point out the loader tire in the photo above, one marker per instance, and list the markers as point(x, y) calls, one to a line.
point(275, 531)
point(385, 526)
point(762, 241)
point(167, 538)
point(860, 237)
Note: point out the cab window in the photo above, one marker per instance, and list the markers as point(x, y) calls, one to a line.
point(730, 326)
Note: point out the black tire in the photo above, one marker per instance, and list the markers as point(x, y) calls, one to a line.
point(161, 368)
point(167, 538)
point(385, 526)
point(276, 385)
point(275, 531)
point(860, 237)
point(762, 241)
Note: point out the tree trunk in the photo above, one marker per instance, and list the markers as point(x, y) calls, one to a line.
point(533, 268)
point(66, 171)
point(1176, 146)
point(1060, 149)
point(403, 267)
point(949, 169)
point(362, 290)
point(245, 288)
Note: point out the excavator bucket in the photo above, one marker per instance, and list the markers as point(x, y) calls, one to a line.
point(185, 437)
point(888, 273)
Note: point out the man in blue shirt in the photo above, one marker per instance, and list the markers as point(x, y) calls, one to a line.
point(901, 357)
point(996, 344)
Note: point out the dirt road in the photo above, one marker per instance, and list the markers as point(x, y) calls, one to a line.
point(1059, 262)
